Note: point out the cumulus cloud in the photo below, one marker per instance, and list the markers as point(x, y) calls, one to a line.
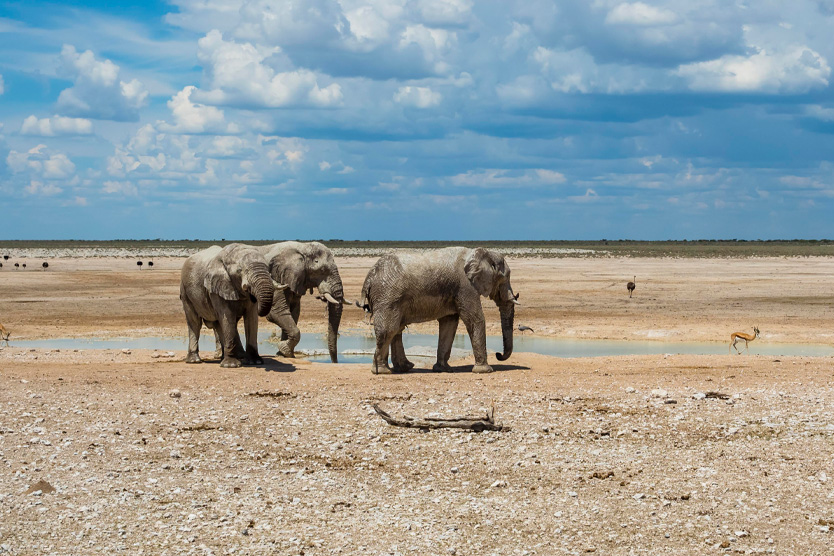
point(41, 168)
point(419, 97)
point(56, 125)
point(238, 74)
point(97, 91)
point(190, 117)
point(639, 13)
point(498, 178)
point(796, 69)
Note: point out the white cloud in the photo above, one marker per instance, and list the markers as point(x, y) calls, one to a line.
point(508, 178)
point(238, 75)
point(190, 117)
point(796, 69)
point(434, 43)
point(37, 187)
point(444, 12)
point(420, 97)
point(114, 187)
point(638, 13)
point(39, 163)
point(57, 125)
point(97, 91)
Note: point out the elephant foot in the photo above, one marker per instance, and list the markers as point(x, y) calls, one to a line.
point(481, 369)
point(193, 358)
point(403, 367)
point(442, 368)
point(381, 370)
point(285, 350)
point(253, 361)
point(231, 363)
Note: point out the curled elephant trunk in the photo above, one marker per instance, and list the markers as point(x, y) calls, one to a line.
point(333, 292)
point(507, 317)
point(261, 288)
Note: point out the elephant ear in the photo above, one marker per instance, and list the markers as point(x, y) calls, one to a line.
point(218, 281)
point(480, 271)
point(288, 268)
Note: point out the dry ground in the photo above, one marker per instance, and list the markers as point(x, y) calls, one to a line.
point(152, 456)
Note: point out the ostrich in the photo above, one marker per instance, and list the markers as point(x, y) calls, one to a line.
point(5, 257)
point(16, 266)
point(24, 265)
point(150, 264)
point(45, 265)
point(630, 287)
point(139, 264)
point(523, 329)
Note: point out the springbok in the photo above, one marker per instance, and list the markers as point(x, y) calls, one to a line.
point(736, 336)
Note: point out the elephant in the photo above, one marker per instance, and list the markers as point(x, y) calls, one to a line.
point(443, 284)
point(302, 267)
point(219, 285)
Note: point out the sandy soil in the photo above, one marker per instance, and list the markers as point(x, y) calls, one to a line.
point(623, 455)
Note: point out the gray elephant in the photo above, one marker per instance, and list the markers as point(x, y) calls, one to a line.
point(443, 284)
point(219, 286)
point(302, 267)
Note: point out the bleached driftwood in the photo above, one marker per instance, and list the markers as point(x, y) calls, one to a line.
point(469, 422)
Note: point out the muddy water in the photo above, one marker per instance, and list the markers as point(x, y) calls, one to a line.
point(358, 347)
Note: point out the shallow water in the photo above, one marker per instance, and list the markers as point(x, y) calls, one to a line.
point(359, 347)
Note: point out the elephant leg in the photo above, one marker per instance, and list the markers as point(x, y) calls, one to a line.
point(400, 362)
point(445, 339)
point(232, 348)
point(250, 328)
point(284, 314)
point(218, 342)
point(195, 323)
point(476, 328)
point(384, 336)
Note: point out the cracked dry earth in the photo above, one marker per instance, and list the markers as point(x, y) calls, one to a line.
point(626, 455)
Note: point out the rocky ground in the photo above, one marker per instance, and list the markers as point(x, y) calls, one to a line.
point(652, 454)
point(108, 451)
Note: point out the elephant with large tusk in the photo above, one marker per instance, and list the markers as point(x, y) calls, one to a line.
point(219, 285)
point(303, 267)
point(443, 284)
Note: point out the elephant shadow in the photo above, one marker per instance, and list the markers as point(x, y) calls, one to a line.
point(270, 365)
point(466, 369)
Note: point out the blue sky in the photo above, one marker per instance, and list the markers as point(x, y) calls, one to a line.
point(417, 119)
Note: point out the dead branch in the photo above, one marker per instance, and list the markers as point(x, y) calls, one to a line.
point(469, 422)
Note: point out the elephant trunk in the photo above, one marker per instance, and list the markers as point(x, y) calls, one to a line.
point(333, 286)
point(507, 317)
point(261, 287)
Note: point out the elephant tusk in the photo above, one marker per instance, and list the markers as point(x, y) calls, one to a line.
point(516, 301)
point(331, 299)
point(278, 286)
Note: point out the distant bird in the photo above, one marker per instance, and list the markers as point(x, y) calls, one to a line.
point(523, 329)
point(45, 265)
point(24, 265)
point(1, 265)
point(630, 287)
point(16, 265)
point(139, 264)
point(150, 264)
point(5, 257)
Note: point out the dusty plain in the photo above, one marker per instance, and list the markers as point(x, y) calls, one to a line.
point(666, 454)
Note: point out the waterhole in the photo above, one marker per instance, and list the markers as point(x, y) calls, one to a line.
point(358, 347)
